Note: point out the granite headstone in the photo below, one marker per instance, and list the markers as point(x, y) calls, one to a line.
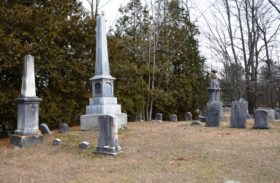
point(108, 142)
point(63, 128)
point(213, 114)
point(84, 145)
point(56, 142)
point(158, 117)
point(261, 119)
point(277, 113)
point(238, 115)
point(173, 118)
point(188, 116)
point(138, 117)
point(44, 129)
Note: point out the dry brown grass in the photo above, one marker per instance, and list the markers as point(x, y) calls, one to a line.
point(152, 152)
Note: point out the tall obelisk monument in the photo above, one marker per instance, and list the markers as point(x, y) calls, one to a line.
point(103, 100)
point(27, 132)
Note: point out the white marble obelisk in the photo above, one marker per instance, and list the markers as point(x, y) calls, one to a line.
point(103, 100)
point(27, 132)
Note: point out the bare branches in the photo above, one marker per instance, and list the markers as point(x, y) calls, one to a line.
point(274, 5)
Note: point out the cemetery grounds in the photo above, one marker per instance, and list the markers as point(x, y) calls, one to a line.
point(152, 152)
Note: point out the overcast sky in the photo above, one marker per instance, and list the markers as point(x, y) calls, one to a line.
point(197, 9)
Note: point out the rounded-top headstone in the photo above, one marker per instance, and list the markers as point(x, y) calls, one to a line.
point(84, 145)
point(195, 123)
point(44, 129)
point(213, 114)
point(277, 113)
point(138, 117)
point(261, 119)
point(173, 118)
point(63, 128)
point(56, 142)
point(238, 115)
point(188, 116)
point(158, 117)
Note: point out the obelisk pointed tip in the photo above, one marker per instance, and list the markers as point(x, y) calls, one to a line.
point(102, 62)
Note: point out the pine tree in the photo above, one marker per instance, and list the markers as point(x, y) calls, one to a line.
point(59, 34)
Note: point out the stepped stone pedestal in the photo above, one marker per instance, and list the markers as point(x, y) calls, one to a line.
point(103, 100)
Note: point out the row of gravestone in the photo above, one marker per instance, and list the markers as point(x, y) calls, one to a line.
point(159, 117)
point(6, 130)
point(239, 115)
point(62, 128)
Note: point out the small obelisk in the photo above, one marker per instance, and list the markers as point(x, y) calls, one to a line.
point(103, 100)
point(27, 132)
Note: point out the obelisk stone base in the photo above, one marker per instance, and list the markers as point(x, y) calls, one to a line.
point(26, 140)
point(90, 121)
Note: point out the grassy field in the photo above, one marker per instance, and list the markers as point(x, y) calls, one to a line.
point(152, 152)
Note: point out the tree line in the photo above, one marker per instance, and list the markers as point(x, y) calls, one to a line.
point(244, 37)
point(153, 53)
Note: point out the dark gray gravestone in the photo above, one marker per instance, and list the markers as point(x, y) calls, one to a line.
point(138, 117)
point(56, 142)
point(238, 115)
point(261, 119)
point(188, 116)
point(44, 129)
point(277, 113)
point(1, 131)
point(158, 117)
point(63, 128)
point(213, 114)
point(84, 145)
point(173, 118)
point(202, 118)
point(108, 142)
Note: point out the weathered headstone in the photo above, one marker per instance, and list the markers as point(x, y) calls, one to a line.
point(63, 128)
point(84, 145)
point(202, 118)
point(173, 118)
point(261, 119)
point(158, 117)
point(1, 131)
point(195, 123)
point(26, 133)
point(138, 117)
point(277, 113)
point(238, 115)
point(188, 116)
point(108, 142)
point(271, 114)
point(56, 142)
point(213, 114)
point(103, 100)
point(44, 129)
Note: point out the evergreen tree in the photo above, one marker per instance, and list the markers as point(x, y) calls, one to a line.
point(59, 34)
point(156, 59)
